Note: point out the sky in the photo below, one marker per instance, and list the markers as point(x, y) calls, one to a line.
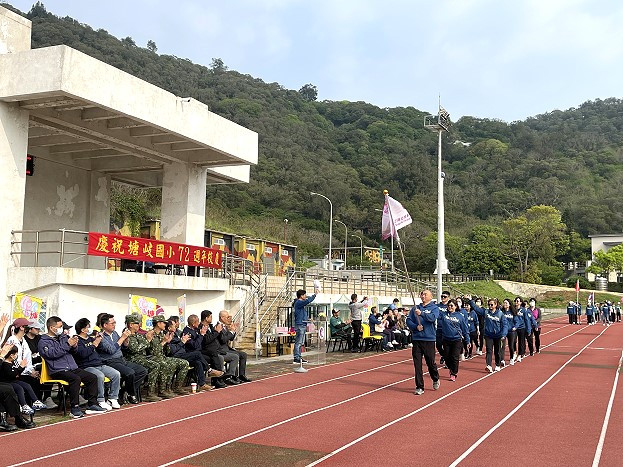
point(505, 60)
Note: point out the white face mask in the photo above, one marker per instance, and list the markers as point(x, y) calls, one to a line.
point(532, 303)
point(58, 331)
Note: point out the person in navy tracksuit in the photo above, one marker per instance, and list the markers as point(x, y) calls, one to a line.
point(421, 321)
point(531, 325)
point(472, 321)
point(571, 311)
point(520, 328)
point(445, 296)
point(496, 327)
point(511, 334)
point(590, 310)
point(461, 309)
point(454, 330)
point(578, 313)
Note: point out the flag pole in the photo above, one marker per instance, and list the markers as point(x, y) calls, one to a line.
point(395, 231)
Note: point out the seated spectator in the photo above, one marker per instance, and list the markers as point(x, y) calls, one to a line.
point(377, 328)
point(10, 370)
point(177, 349)
point(88, 359)
point(175, 320)
point(57, 349)
point(8, 399)
point(136, 352)
point(210, 345)
point(401, 325)
point(171, 367)
point(397, 336)
point(237, 359)
point(110, 351)
point(32, 338)
point(340, 329)
point(29, 374)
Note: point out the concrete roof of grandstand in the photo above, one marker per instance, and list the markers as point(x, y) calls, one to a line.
point(88, 114)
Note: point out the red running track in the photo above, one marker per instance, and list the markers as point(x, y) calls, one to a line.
point(551, 408)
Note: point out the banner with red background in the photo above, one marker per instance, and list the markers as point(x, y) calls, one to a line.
point(154, 251)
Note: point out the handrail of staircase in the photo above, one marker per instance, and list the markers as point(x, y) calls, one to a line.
point(282, 291)
point(259, 290)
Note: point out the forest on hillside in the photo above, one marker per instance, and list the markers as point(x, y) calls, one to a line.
point(351, 151)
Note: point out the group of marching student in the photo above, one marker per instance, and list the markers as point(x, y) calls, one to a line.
point(606, 312)
point(456, 326)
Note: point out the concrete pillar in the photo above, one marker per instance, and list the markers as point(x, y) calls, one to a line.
point(183, 204)
point(99, 213)
point(14, 37)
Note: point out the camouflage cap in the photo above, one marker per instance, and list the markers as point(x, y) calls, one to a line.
point(158, 319)
point(133, 318)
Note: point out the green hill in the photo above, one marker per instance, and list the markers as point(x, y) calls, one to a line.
point(352, 151)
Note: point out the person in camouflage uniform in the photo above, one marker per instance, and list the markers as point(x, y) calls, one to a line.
point(136, 352)
point(170, 366)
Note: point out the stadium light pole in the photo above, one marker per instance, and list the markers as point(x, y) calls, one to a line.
point(361, 240)
point(345, 240)
point(330, 225)
point(392, 237)
point(439, 123)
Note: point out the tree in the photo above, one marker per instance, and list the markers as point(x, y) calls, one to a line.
point(537, 234)
point(309, 92)
point(605, 262)
point(128, 42)
point(151, 46)
point(218, 65)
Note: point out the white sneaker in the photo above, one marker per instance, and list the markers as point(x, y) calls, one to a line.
point(489, 369)
point(479, 352)
point(395, 342)
point(27, 410)
point(503, 363)
point(519, 359)
point(38, 405)
point(462, 357)
point(512, 361)
point(497, 368)
point(114, 403)
point(389, 344)
point(410, 345)
point(49, 403)
point(104, 405)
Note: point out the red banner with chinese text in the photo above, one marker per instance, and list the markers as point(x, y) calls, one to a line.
point(154, 251)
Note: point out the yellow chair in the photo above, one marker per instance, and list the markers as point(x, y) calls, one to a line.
point(369, 339)
point(44, 378)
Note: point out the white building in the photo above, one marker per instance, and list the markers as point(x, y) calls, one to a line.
point(87, 123)
point(603, 242)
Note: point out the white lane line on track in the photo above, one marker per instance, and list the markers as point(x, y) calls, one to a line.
point(78, 448)
point(520, 405)
point(393, 422)
point(283, 422)
point(604, 428)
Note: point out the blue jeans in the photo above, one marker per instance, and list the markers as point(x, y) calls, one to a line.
point(299, 340)
point(113, 375)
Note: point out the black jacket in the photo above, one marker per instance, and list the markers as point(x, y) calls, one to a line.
point(211, 344)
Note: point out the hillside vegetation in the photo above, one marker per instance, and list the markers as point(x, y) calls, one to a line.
point(352, 151)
